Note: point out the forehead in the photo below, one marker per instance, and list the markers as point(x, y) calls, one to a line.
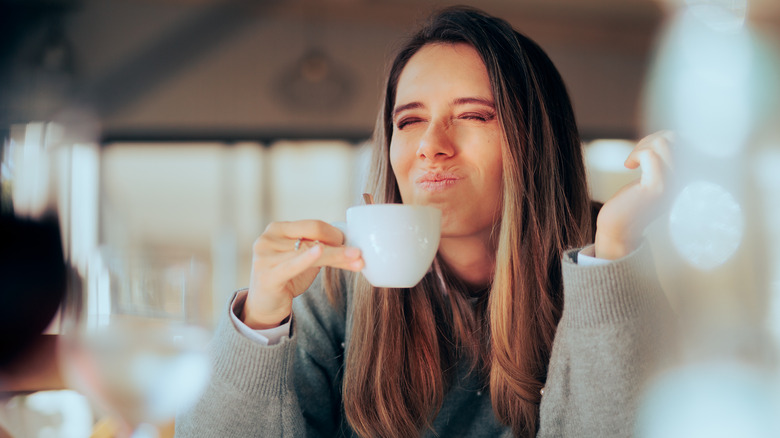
point(443, 69)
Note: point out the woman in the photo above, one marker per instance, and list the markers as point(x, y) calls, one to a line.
point(476, 121)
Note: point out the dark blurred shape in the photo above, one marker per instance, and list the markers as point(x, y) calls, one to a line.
point(20, 19)
point(39, 72)
point(316, 82)
point(36, 58)
point(32, 281)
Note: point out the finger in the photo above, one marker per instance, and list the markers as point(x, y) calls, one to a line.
point(652, 170)
point(663, 147)
point(333, 256)
point(291, 267)
point(308, 229)
point(340, 257)
point(318, 256)
point(270, 243)
point(659, 142)
point(282, 236)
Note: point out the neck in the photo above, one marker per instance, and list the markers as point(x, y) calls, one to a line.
point(471, 258)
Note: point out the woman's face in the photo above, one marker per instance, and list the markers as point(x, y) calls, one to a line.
point(446, 144)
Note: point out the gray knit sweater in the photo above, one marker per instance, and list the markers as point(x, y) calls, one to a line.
point(603, 349)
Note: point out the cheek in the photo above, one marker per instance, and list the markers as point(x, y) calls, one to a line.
point(399, 161)
point(498, 171)
point(394, 157)
point(496, 176)
point(499, 189)
point(399, 169)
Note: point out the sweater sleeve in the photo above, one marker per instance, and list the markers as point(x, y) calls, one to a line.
point(607, 340)
point(283, 390)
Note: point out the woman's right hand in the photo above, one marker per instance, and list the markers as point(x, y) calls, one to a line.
point(281, 273)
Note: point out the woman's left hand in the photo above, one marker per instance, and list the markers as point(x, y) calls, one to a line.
point(624, 217)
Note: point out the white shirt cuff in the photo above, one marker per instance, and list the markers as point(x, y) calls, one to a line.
point(587, 257)
point(271, 336)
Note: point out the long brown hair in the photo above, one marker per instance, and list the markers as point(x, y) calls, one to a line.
point(404, 343)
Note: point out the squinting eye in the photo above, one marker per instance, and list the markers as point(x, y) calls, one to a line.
point(478, 117)
point(406, 122)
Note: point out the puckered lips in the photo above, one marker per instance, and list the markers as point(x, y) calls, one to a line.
point(437, 181)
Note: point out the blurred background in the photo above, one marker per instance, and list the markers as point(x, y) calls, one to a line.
point(195, 123)
point(192, 124)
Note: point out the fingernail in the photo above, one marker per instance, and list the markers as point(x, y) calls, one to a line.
point(351, 252)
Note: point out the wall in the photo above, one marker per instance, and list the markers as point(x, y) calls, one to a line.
point(162, 69)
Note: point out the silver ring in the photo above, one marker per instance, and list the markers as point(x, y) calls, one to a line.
point(298, 244)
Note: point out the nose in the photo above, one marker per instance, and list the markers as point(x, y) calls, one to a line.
point(436, 142)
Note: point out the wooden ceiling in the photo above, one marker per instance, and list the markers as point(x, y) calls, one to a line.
point(129, 51)
point(402, 11)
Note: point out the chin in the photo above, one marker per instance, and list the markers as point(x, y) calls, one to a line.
point(450, 230)
point(455, 228)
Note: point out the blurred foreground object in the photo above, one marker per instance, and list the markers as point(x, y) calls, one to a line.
point(61, 414)
point(604, 162)
point(135, 327)
point(32, 270)
point(107, 428)
point(716, 83)
point(32, 275)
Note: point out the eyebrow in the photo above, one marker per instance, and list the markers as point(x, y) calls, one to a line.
point(458, 101)
point(407, 106)
point(477, 100)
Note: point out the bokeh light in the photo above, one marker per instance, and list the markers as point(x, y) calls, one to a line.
point(710, 400)
point(720, 15)
point(766, 172)
point(706, 224)
point(704, 86)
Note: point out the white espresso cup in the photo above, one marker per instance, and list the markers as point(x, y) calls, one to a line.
point(398, 242)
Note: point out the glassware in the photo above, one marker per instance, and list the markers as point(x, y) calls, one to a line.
point(134, 333)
